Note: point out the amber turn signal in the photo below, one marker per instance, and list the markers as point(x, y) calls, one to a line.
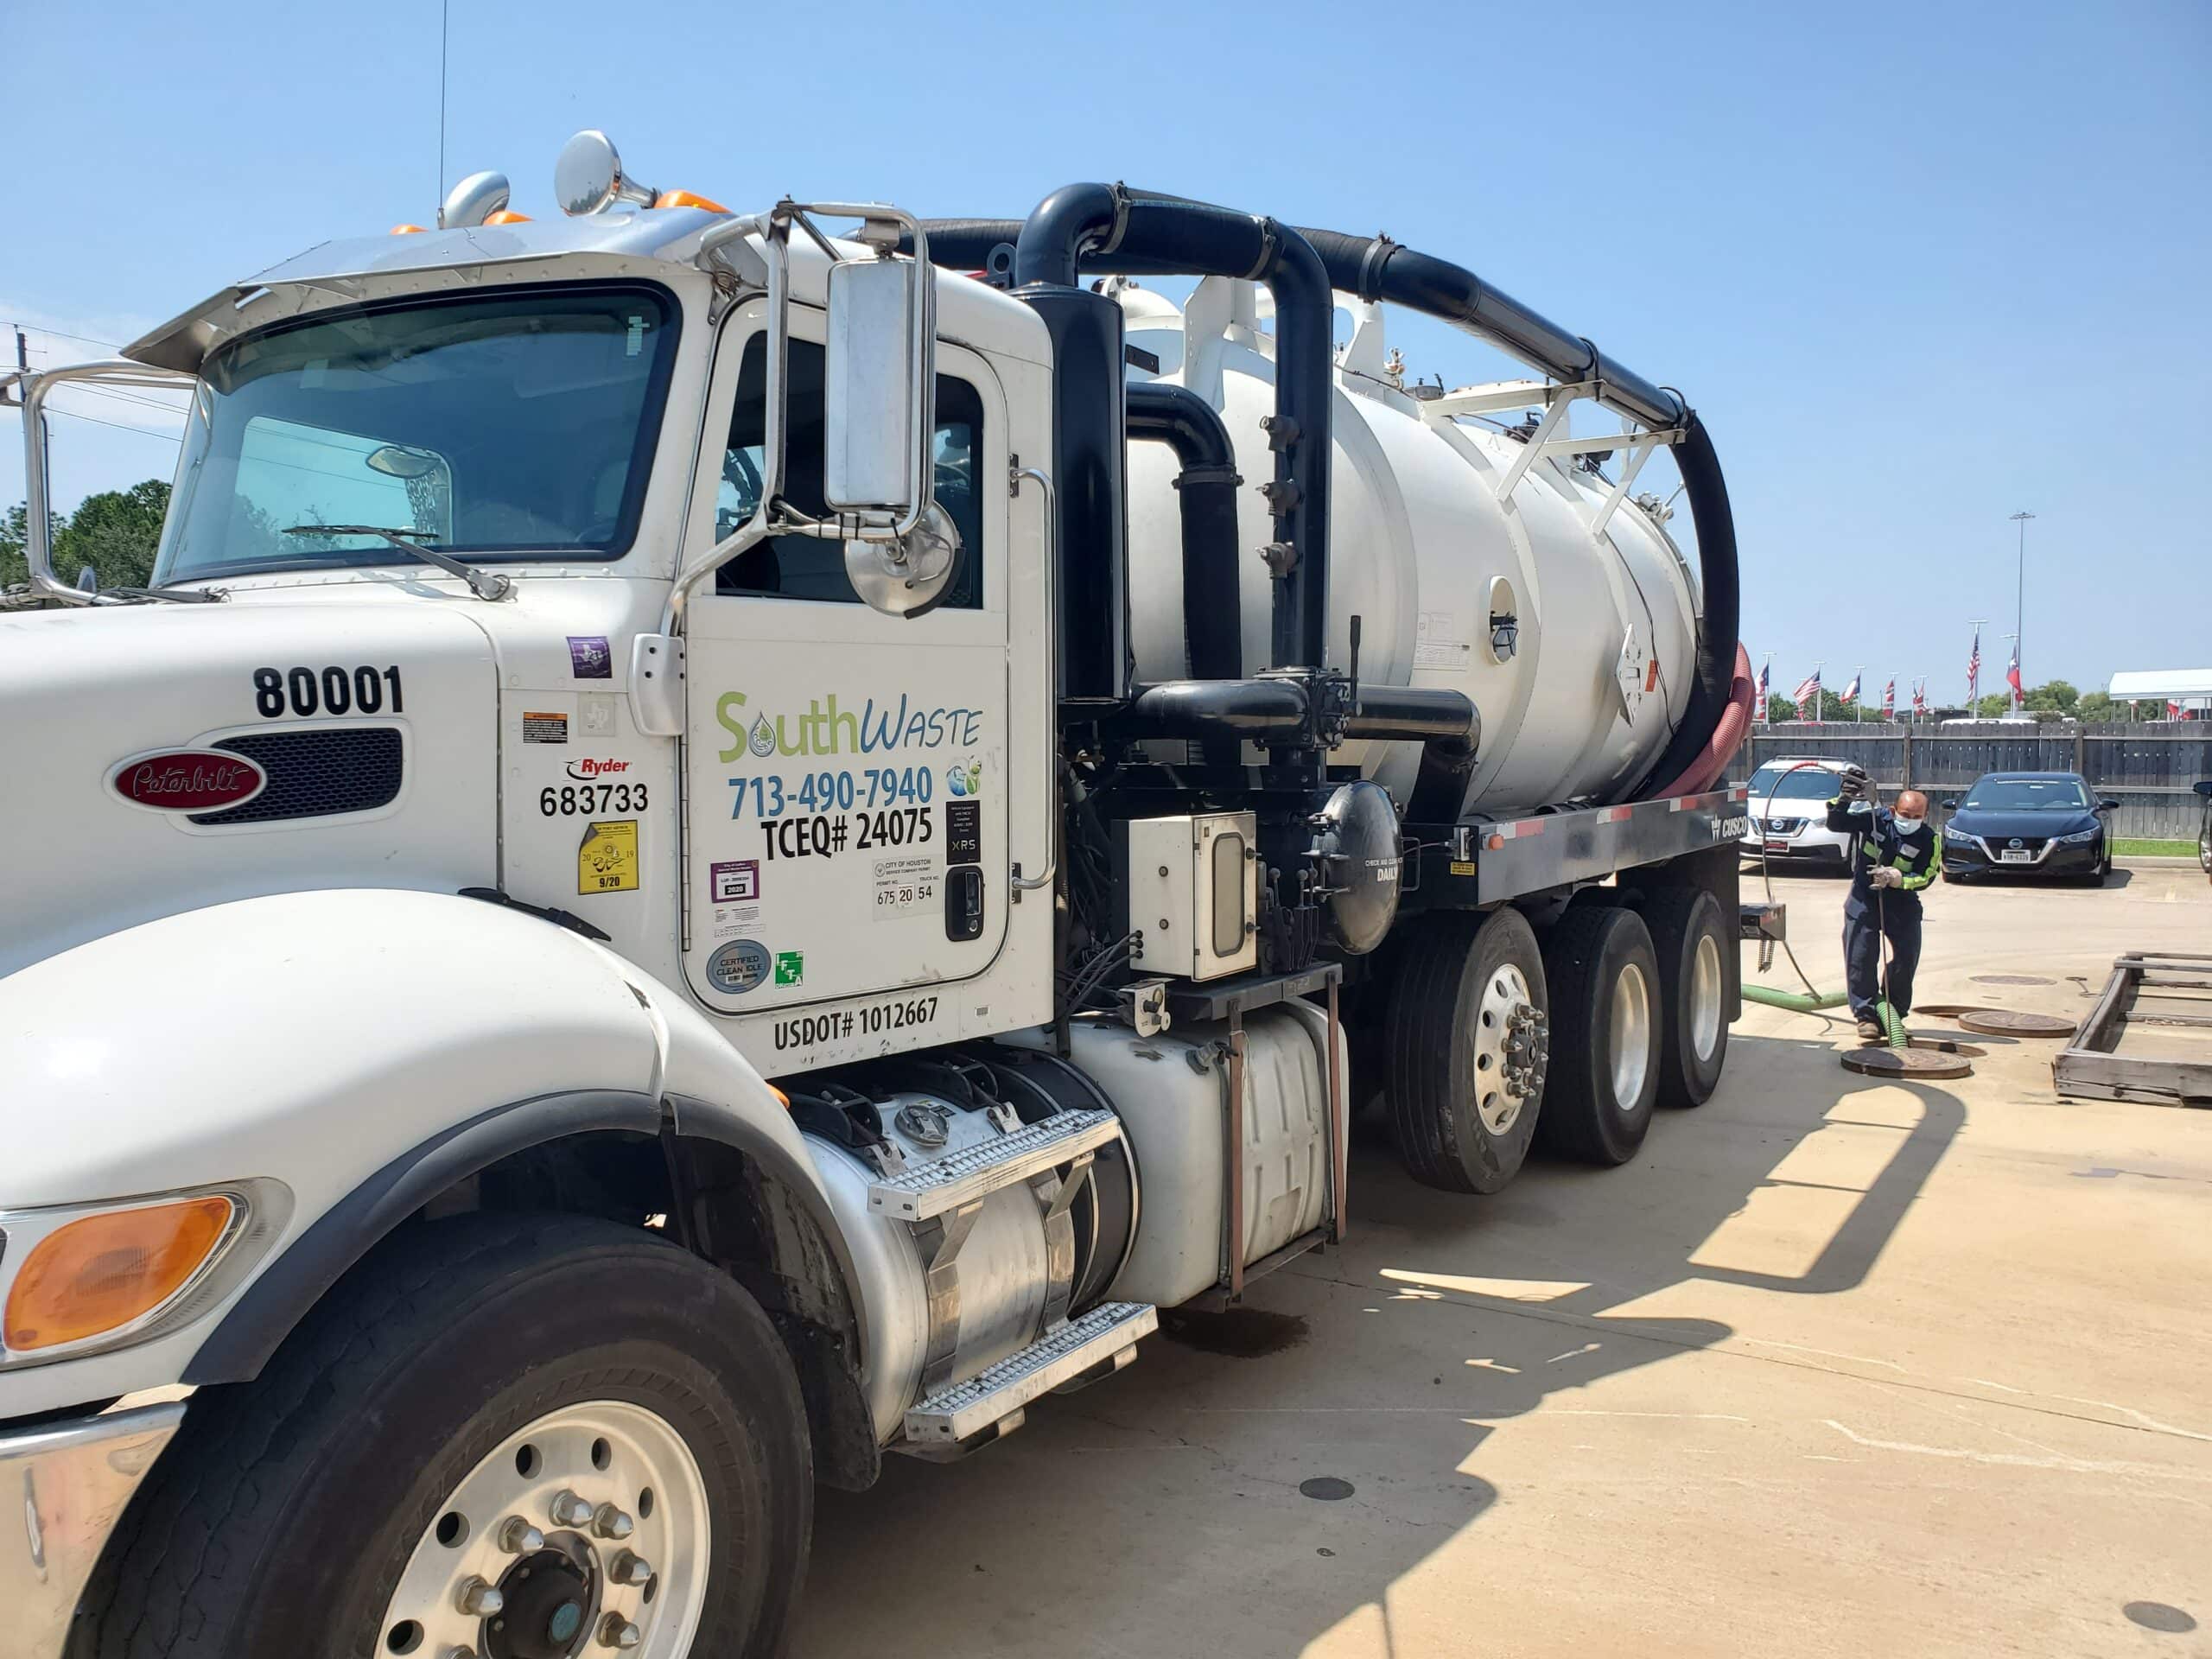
point(102, 1272)
point(687, 199)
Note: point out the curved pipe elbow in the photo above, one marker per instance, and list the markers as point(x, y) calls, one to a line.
point(1220, 708)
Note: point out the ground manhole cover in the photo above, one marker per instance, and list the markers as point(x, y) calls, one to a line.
point(1913, 1064)
point(2157, 1616)
point(2005, 1022)
point(1946, 1046)
point(1327, 1488)
point(2011, 979)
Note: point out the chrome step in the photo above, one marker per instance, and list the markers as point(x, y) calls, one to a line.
point(945, 1184)
point(1102, 1337)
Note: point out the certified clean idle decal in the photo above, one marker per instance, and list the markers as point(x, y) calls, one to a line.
point(607, 862)
point(741, 965)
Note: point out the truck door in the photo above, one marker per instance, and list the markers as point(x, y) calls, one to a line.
point(846, 770)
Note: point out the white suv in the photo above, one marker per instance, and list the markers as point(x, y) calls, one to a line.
point(1789, 811)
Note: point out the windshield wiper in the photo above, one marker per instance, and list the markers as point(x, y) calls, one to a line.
point(177, 595)
point(486, 585)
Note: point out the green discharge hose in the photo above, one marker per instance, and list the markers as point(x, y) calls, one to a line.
point(1799, 1003)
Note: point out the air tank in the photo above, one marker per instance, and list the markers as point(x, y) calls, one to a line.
point(1577, 701)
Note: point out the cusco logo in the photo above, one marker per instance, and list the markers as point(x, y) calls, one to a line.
point(187, 781)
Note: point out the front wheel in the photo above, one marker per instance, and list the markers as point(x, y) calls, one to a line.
point(507, 1437)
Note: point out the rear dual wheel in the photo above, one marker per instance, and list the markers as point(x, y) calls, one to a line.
point(1608, 1011)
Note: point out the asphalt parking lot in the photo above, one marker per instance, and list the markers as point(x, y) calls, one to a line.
point(1836, 1367)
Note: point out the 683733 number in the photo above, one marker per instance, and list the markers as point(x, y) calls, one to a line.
point(591, 800)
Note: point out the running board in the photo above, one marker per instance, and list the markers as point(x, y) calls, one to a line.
point(945, 1184)
point(1103, 1339)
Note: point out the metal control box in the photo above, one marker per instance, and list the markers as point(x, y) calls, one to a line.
point(1193, 890)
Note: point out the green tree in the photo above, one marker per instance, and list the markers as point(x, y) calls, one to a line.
point(115, 532)
point(2058, 694)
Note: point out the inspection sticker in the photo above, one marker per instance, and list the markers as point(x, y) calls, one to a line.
point(544, 729)
point(1437, 643)
point(607, 860)
point(734, 882)
point(903, 886)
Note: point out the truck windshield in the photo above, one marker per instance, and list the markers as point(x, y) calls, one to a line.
point(504, 425)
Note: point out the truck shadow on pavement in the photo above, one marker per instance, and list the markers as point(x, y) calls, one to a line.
point(1261, 1478)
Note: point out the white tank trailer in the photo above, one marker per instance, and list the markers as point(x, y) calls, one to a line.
point(1473, 564)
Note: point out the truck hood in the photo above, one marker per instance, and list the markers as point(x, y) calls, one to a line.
point(372, 727)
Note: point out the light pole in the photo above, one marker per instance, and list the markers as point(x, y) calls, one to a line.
point(2020, 607)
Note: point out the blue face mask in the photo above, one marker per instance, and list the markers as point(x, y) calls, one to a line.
point(1907, 826)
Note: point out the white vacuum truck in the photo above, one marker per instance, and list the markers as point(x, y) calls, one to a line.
point(695, 867)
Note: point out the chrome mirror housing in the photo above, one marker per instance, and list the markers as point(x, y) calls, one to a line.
point(474, 200)
point(587, 178)
point(911, 576)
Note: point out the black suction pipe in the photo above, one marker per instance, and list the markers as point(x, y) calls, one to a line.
point(1110, 228)
point(1376, 268)
point(1209, 708)
point(1212, 608)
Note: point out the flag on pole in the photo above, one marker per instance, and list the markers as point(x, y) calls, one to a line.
point(1890, 699)
point(1919, 697)
point(1973, 673)
point(1763, 668)
point(2173, 709)
point(2013, 678)
point(1850, 692)
point(1804, 694)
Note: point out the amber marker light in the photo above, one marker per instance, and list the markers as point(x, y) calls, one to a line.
point(99, 1273)
point(687, 199)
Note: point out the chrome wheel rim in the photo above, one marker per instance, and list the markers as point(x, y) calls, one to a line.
point(585, 1531)
point(1629, 1036)
point(1705, 998)
point(1509, 1037)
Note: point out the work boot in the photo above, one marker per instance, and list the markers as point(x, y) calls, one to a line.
point(1869, 1031)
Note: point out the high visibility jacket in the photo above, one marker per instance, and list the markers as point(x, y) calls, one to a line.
point(1918, 856)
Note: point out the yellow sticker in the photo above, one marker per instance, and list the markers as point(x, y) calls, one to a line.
point(1462, 867)
point(608, 860)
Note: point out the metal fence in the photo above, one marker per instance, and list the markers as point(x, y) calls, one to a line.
point(2148, 767)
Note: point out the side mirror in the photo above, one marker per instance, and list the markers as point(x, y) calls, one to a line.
point(1946, 807)
point(2204, 787)
point(879, 374)
point(2107, 806)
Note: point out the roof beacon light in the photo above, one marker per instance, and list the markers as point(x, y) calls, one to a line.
point(588, 177)
point(473, 201)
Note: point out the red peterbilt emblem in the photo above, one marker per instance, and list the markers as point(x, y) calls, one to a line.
point(187, 781)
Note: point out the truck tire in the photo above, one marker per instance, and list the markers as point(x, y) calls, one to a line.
point(1691, 939)
point(1605, 1020)
point(427, 1431)
point(1468, 1008)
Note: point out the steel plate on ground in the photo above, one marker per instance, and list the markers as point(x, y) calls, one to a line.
point(2007, 1022)
point(1908, 1064)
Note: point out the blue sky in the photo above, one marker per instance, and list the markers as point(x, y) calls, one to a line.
point(1918, 267)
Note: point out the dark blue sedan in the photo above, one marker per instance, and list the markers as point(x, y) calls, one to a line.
point(2028, 824)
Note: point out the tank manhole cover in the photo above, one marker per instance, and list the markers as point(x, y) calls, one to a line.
point(1916, 1065)
point(2006, 1022)
point(2011, 979)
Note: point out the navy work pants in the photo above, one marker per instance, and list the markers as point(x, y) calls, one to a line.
point(1865, 921)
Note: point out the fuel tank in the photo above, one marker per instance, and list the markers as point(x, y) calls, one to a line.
point(1433, 560)
point(161, 757)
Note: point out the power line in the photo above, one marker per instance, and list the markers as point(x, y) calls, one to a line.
point(143, 431)
point(63, 334)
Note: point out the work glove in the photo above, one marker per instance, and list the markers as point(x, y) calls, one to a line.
point(1885, 876)
point(1855, 785)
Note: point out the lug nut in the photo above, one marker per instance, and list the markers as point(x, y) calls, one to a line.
point(628, 1567)
point(478, 1599)
point(610, 1522)
point(616, 1631)
point(570, 1511)
point(519, 1537)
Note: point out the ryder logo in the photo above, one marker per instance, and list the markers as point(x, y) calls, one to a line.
point(588, 769)
point(187, 781)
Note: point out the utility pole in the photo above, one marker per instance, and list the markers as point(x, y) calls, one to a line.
point(2020, 608)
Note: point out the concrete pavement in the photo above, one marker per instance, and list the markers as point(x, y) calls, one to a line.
point(1836, 1367)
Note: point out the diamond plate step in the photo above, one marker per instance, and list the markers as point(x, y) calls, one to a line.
point(947, 1183)
point(970, 1407)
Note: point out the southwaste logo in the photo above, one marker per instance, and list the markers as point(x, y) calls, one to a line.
point(831, 726)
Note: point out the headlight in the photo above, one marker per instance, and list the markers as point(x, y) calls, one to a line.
point(2080, 837)
point(84, 1278)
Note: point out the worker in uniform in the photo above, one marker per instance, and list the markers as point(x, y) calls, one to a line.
point(1896, 856)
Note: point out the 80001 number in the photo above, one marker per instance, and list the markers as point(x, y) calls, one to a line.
point(335, 690)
